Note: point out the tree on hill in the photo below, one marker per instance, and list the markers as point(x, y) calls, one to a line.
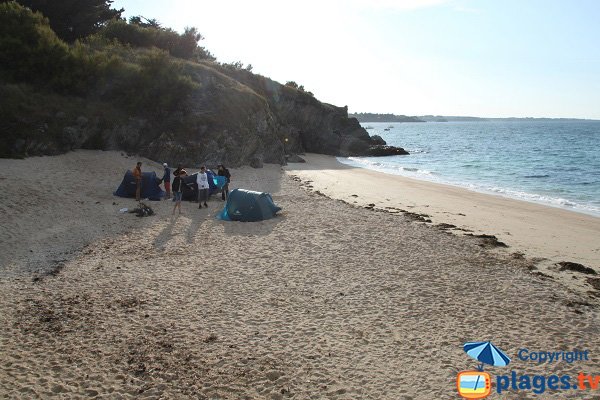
point(73, 19)
point(138, 33)
point(145, 22)
point(29, 49)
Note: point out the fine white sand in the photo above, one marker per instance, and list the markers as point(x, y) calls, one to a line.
point(326, 301)
point(535, 230)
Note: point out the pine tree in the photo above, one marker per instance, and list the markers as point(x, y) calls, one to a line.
point(73, 19)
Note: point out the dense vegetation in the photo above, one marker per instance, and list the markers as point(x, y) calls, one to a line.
point(73, 19)
point(73, 74)
point(103, 67)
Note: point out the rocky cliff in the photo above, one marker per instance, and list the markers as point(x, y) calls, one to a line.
point(233, 116)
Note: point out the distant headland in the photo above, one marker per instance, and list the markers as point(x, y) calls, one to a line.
point(373, 117)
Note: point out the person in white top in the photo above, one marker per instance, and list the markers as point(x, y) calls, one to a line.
point(202, 181)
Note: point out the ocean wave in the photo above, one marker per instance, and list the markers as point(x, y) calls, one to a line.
point(560, 202)
point(417, 151)
point(366, 162)
point(389, 168)
point(537, 176)
point(432, 176)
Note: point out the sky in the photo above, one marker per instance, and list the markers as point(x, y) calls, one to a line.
point(486, 58)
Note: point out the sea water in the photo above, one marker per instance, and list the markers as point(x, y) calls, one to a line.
point(554, 162)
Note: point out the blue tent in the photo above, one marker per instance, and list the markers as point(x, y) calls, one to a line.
point(247, 206)
point(219, 181)
point(150, 186)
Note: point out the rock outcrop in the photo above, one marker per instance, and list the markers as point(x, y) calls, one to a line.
point(384, 150)
point(233, 117)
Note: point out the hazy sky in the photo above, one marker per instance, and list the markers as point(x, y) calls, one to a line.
point(450, 57)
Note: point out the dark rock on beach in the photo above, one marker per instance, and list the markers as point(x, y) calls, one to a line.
point(377, 140)
point(384, 150)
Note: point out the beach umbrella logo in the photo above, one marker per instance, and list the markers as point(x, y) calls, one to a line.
point(486, 353)
point(478, 384)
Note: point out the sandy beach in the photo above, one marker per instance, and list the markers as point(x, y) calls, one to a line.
point(329, 300)
point(546, 233)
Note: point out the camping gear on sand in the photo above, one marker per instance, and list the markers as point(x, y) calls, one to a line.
point(150, 186)
point(248, 206)
point(142, 210)
point(152, 191)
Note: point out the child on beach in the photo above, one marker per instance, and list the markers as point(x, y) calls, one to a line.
point(202, 181)
point(178, 189)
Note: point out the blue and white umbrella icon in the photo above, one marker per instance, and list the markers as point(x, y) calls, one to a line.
point(486, 353)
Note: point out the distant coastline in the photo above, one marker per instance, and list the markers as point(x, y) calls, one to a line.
point(446, 118)
point(373, 117)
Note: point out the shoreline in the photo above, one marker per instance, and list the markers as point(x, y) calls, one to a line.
point(488, 192)
point(535, 230)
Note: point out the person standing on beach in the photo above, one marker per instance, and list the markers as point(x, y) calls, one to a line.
point(137, 174)
point(202, 181)
point(167, 180)
point(178, 189)
point(225, 189)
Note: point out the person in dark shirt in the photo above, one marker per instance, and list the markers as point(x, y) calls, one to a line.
point(178, 189)
point(167, 180)
point(224, 172)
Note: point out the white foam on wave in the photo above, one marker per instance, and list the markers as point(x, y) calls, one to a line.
point(432, 176)
point(417, 151)
point(559, 202)
point(388, 168)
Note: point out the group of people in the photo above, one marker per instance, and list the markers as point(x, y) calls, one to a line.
point(178, 182)
point(201, 180)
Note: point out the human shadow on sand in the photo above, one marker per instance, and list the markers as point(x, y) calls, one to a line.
point(198, 217)
point(162, 239)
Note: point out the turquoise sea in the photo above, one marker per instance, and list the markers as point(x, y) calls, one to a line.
point(556, 163)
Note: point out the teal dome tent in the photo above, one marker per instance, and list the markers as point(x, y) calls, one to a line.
point(248, 206)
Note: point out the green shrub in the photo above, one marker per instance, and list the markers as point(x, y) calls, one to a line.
point(73, 19)
point(29, 49)
point(145, 35)
point(155, 85)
